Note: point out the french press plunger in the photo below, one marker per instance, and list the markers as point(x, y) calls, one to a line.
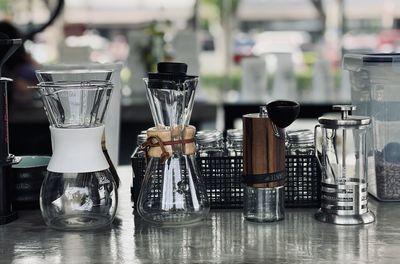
point(344, 168)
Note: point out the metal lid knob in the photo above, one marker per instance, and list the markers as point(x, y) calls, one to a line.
point(345, 109)
point(263, 111)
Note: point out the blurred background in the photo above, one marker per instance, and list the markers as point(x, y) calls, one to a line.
point(246, 52)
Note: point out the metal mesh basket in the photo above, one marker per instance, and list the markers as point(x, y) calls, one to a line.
point(223, 179)
point(303, 181)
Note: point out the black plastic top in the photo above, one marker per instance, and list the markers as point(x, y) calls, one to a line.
point(356, 61)
point(168, 71)
point(174, 68)
point(379, 57)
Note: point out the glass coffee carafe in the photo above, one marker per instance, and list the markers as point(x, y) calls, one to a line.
point(172, 191)
point(79, 192)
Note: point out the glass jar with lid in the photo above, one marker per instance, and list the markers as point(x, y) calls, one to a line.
point(300, 142)
point(234, 142)
point(138, 165)
point(140, 139)
point(210, 143)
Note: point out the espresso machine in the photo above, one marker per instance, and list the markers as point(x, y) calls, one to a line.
point(264, 169)
point(7, 213)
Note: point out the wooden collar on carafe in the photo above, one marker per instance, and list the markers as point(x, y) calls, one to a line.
point(159, 141)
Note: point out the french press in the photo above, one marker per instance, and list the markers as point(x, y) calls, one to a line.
point(344, 197)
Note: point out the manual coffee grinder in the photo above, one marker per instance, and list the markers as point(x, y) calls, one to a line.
point(7, 213)
point(344, 190)
point(172, 191)
point(264, 169)
point(79, 191)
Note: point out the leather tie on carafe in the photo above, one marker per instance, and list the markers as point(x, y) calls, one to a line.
point(155, 142)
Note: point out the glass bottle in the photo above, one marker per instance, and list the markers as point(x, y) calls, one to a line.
point(210, 143)
point(79, 191)
point(234, 142)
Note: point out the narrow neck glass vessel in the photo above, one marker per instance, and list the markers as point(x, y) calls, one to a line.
point(78, 192)
point(172, 191)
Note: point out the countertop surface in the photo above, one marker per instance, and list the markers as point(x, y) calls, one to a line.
point(225, 237)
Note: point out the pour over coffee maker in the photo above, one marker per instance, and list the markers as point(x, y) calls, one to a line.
point(79, 192)
point(172, 191)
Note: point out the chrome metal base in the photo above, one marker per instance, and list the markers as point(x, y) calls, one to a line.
point(365, 218)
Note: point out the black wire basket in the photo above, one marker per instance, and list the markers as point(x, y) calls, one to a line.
point(223, 179)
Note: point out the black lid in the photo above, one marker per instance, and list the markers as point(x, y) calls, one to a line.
point(174, 68)
point(168, 71)
point(380, 57)
point(355, 62)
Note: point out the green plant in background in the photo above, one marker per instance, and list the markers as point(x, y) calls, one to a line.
point(155, 50)
point(304, 80)
point(310, 57)
point(215, 81)
point(337, 78)
point(209, 81)
point(211, 11)
point(5, 7)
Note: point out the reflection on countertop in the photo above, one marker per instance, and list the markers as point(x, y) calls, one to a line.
point(223, 238)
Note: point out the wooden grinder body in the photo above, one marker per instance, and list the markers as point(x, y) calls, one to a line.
point(263, 151)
